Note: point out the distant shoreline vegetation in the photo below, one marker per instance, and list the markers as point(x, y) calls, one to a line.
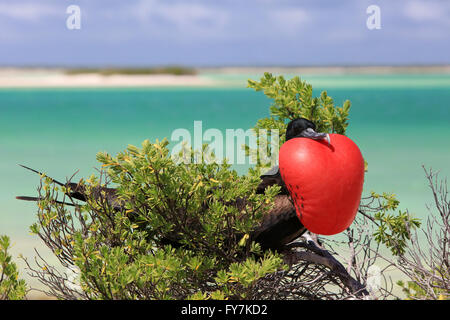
point(172, 70)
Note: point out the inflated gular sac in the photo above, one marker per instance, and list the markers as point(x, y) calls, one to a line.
point(325, 181)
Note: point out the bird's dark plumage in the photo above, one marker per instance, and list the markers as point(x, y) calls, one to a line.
point(77, 191)
point(296, 127)
point(280, 226)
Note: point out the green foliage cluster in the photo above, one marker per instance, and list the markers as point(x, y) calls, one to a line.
point(293, 98)
point(393, 229)
point(179, 233)
point(413, 291)
point(11, 287)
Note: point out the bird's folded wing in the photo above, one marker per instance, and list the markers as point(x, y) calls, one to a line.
point(279, 226)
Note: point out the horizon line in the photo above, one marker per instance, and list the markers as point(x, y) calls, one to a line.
point(169, 65)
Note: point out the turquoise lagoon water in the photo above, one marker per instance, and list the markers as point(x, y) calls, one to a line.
point(400, 123)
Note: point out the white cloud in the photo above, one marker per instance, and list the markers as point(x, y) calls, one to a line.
point(426, 11)
point(183, 16)
point(28, 11)
point(290, 18)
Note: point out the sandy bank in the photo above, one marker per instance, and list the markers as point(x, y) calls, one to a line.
point(42, 78)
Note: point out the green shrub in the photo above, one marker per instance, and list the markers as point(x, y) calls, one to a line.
point(11, 287)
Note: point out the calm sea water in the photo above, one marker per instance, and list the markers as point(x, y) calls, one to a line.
point(400, 123)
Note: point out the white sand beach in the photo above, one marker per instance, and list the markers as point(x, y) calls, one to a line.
point(54, 78)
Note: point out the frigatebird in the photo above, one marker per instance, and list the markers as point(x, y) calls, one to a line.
point(282, 225)
point(278, 227)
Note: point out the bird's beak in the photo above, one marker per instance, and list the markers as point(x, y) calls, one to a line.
point(311, 134)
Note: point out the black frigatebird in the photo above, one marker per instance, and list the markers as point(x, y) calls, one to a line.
point(277, 228)
point(282, 224)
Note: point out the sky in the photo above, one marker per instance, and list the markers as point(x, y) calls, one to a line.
point(224, 33)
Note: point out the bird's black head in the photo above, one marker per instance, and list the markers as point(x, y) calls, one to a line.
point(303, 128)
